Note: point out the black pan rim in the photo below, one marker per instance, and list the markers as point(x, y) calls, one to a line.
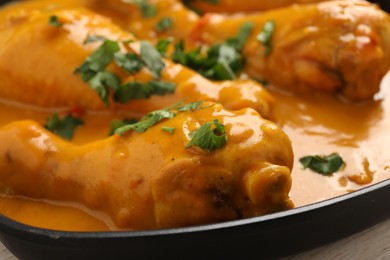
point(17, 226)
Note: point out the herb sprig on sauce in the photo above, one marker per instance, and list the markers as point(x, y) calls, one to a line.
point(266, 35)
point(164, 24)
point(325, 165)
point(210, 136)
point(147, 9)
point(64, 126)
point(156, 116)
point(222, 61)
point(54, 21)
point(93, 71)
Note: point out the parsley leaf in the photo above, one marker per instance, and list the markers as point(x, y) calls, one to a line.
point(168, 129)
point(146, 122)
point(102, 81)
point(325, 165)
point(147, 9)
point(242, 36)
point(223, 61)
point(209, 138)
point(164, 24)
point(98, 60)
point(152, 58)
point(162, 46)
point(115, 124)
point(156, 116)
point(130, 62)
point(138, 90)
point(190, 106)
point(53, 21)
point(94, 38)
point(64, 127)
point(265, 36)
point(93, 72)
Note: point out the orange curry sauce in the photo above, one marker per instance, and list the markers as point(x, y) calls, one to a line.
point(316, 124)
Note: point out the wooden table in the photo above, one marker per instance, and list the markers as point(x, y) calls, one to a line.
point(373, 243)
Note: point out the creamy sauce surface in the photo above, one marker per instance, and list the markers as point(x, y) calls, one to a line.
point(322, 125)
point(317, 125)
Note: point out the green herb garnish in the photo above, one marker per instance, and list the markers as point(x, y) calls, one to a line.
point(147, 9)
point(93, 71)
point(162, 46)
point(94, 38)
point(325, 165)
point(152, 58)
point(115, 124)
point(64, 127)
point(222, 61)
point(98, 60)
point(130, 62)
point(138, 90)
point(190, 106)
point(215, 2)
point(210, 136)
point(168, 129)
point(164, 24)
point(53, 21)
point(155, 117)
point(243, 34)
point(146, 122)
point(265, 36)
point(102, 81)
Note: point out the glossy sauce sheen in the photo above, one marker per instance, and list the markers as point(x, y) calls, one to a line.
point(316, 125)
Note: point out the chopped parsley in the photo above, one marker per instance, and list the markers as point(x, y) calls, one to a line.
point(162, 46)
point(170, 130)
point(138, 90)
point(164, 24)
point(94, 38)
point(130, 62)
point(325, 165)
point(155, 117)
point(190, 106)
point(115, 124)
point(63, 127)
point(222, 61)
point(210, 136)
point(98, 60)
point(53, 21)
point(147, 121)
point(265, 36)
point(147, 9)
point(152, 58)
point(93, 71)
point(102, 81)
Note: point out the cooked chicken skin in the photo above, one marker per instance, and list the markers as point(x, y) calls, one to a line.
point(151, 180)
point(127, 15)
point(37, 64)
point(335, 46)
point(145, 27)
point(234, 6)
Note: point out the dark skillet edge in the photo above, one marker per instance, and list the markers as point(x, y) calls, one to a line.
point(271, 236)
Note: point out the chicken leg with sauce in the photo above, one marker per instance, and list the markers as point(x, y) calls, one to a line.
point(42, 74)
point(234, 6)
point(151, 180)
point(334, 46)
